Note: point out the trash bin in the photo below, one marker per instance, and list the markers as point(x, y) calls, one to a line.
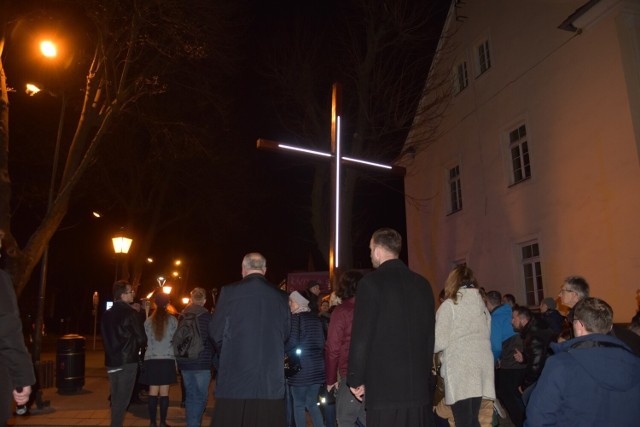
point(70, 357)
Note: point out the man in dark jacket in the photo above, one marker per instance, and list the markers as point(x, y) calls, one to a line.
point(392, 339)
point(536, 337)
point(591, 380)
point(196, 373)
point(250, 326)
point(16, 370)
point(123, 336)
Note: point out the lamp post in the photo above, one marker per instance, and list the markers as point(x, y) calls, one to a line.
point(121, 246)
point(48, 49)
point(95, 301)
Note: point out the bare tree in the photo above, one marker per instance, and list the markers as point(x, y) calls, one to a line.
point(381, 52)
point(140, 46)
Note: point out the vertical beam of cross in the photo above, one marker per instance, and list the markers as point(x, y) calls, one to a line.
point(334, 243)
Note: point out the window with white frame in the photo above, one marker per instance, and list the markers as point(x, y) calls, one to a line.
point(484, 57)
point(455, 189)
point(532, 271)
point(461, 78)
point(519, 149)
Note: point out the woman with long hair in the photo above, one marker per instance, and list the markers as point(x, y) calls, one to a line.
point(463, 329)
point(159, 369)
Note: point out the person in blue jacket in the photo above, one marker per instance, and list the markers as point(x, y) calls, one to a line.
point(501, 328)
point(591, 380)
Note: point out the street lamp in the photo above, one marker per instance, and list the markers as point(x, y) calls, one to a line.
point(49, 51)
point(121, 246)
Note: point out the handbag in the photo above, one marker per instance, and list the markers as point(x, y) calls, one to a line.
point(292, 363)
point(326, 397)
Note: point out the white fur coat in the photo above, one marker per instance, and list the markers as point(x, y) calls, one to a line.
point(463, 332)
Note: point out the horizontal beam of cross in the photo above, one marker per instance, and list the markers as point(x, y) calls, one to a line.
point(267, 144)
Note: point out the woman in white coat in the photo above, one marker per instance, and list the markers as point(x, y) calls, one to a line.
point(463, 329)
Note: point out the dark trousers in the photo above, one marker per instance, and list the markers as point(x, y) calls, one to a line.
point(121, 384)
point(465, 412)
point(507, 382)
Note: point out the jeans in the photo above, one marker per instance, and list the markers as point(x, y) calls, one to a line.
point(196, 387)
point(306, 396)
point(121, 385)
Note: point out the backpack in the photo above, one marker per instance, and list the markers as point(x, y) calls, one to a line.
point(187, 343)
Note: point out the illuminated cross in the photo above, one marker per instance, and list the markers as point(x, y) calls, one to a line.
point(336, 166)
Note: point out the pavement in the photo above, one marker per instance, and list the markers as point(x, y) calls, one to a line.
point(90, 405)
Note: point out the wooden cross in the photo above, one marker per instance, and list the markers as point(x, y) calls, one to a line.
point(336, 167)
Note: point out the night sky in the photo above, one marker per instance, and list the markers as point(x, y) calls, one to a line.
point(261, 203)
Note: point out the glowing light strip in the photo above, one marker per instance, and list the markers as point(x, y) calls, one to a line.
point(364, 162)
point(337, 230)
point(304, 150)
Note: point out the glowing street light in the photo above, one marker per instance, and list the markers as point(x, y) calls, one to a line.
point(167, 289)
point(121, 246)
point(185, 300)
point(32, 89)
point(48, 49)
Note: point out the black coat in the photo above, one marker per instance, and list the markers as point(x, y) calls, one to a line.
point(250, 325)
point(307, 336)
point(536, 338)
point(16, 369)
point(123, 335)
point(392, 338)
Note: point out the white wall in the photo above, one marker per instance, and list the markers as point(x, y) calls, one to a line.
point(582, 203)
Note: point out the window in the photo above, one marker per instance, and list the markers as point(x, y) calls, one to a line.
point(460, 75)
point(455, 189)
point(519, 148)
point(532, 271)
point(484, 57)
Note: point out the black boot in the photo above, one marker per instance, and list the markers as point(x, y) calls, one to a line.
point(164, 407)
point(152, 403)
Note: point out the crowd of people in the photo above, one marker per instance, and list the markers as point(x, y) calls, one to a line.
point(376, 352)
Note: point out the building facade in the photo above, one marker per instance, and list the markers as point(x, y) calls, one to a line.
point(534, 174)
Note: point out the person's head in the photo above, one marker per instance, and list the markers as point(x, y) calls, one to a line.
point(325, 306)
point(161, 300)
point(493, 299)
point(547, 304)
point(520, 317)
point(253, 263)
point(509, 299)
point(460, 277)
point(385, 244)
point(348, 284)
point(297, 302)
point(574, 289)
point(313, 286)
point(592, 316)
point(122, 291)
point(198, 296)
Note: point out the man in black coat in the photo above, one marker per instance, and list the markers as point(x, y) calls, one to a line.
point(392, 339)
point(16, 370)
point(250, 326)
point(123, 336)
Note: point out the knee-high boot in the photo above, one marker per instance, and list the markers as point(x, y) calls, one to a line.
point(152, 403)
point(164, 407)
